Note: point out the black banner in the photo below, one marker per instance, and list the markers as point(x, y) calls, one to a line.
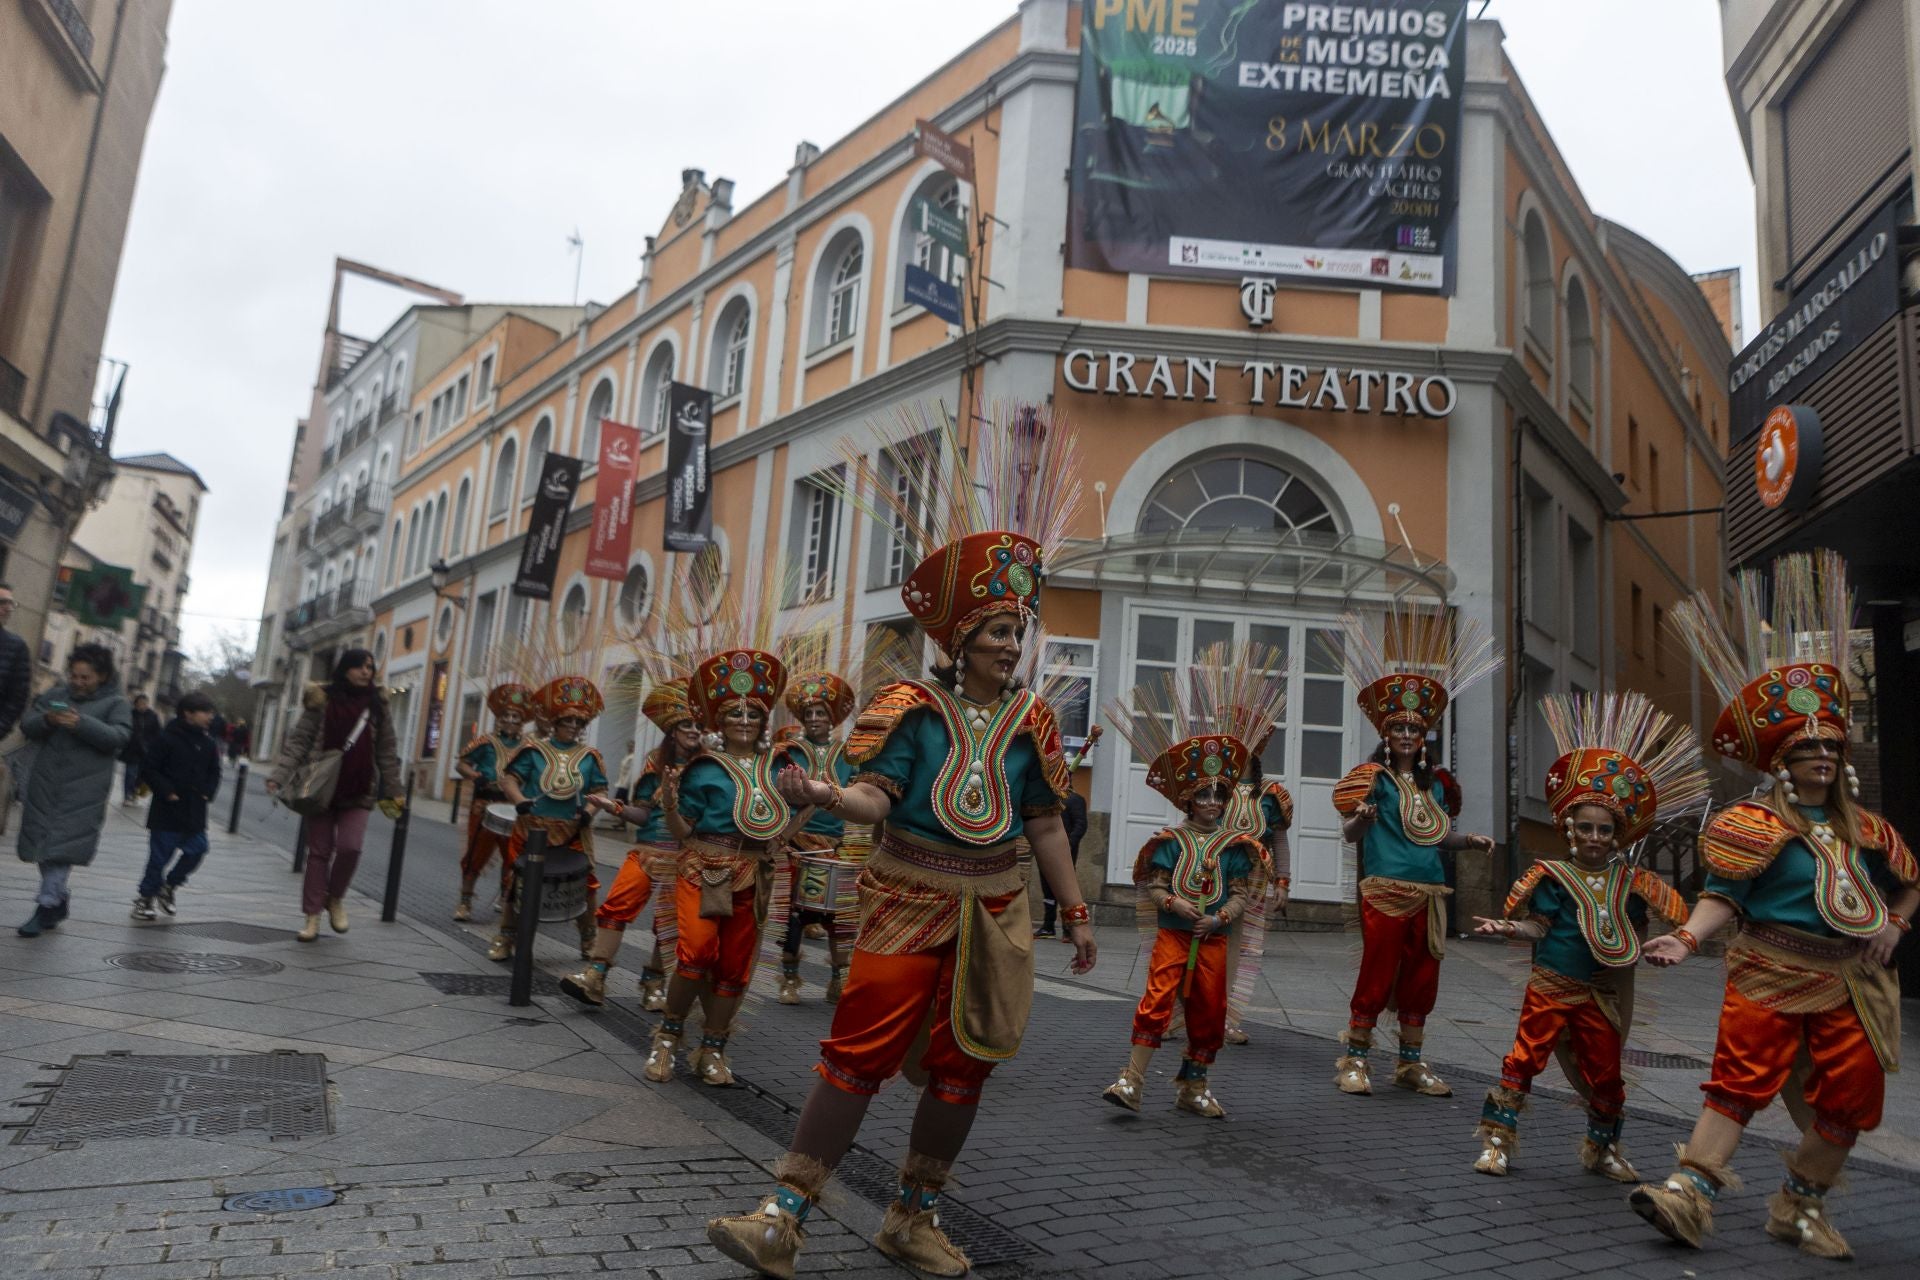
point(1852, 294)
point(1301, 141)
point(540, 554)
point(689, 496)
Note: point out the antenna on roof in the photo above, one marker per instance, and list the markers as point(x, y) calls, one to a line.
point(579, 250)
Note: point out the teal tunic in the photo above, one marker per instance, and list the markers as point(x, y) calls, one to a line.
point(707, 793)
point(1564, 950)
point(654, 829)
point(1235, 864)
point(528, 768)
point(1387, 851)
point(1784, 893)
point(823, 823)
point(912, 758)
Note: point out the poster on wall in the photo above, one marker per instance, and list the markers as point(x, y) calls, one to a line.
point(540, 553)
point(1307, 142)
point(689, 498)
point(612, 541)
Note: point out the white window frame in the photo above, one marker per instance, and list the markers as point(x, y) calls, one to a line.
point(841, 323)
point(1088, 671)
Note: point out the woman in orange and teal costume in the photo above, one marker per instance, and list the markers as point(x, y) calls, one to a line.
point(1621, 763)
point(954, 769)
point(480, 763)
point(1823, 891)
point(819, 701)
point(1397, 810)
point(652, 862)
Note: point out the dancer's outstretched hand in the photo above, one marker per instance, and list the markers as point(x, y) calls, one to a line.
point(1085, 950)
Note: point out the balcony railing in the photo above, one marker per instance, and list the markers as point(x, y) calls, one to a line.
point(13, 389)
point(370, 503)
point(388, 403)
point(326, 457)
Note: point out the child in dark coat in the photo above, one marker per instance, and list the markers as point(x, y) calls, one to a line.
point(182, 768)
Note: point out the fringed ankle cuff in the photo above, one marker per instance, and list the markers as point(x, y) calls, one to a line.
point(1191, 1070)
point(922, 1179)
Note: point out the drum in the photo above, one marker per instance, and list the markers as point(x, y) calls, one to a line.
point(822, 883)
point(563, 885)
point(498, 819)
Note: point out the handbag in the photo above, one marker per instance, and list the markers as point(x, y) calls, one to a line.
point(309, 789)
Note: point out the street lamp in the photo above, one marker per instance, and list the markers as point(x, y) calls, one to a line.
point(442, 573)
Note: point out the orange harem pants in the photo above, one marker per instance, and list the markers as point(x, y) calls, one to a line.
point(633, 886)
point(1396, 962)
point(720, 951)
point(887, 1001)
point(482, 844)
point(1206, 1003)
point(1754, 1055)
point(1595, 1042)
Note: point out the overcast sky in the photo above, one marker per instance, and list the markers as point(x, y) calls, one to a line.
point(461, 142)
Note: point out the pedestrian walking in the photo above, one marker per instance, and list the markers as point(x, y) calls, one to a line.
point(348, 714)
point(182, 770)
point(16, 667)
point(239, 741)
point(77, 730)
point(146, 728)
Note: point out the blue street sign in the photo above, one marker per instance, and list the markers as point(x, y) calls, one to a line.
point(928, 290)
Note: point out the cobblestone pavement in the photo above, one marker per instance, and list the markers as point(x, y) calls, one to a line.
point(471, 1139)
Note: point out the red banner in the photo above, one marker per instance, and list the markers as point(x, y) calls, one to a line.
point(613, 502)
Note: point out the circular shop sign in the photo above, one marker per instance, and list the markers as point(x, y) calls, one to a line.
point(1786, 459)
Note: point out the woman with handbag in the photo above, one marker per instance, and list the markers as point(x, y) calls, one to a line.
point(337, 763)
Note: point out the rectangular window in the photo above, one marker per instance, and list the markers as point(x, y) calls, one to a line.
point(905, 476)
point(518, 618)
point(484, 383)
point(1638, 628)
point(1539, 752)
point(480, 633)
point(413, 434)
point(819, 539)
point(1543, 562)
point(1584, 574)
point(459, 399)
point(1633, 450)
point(1653, 477)
point(1067, 671)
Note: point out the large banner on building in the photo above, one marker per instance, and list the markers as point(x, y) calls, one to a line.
point(1255, 137)
point(612, 540)
point(540, 553)
point(689, 496)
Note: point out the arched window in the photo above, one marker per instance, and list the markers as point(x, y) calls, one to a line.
point(634, 593)
point(1235, 492)
point(729, 374)
point(335, 427)
point(328, 580)
point(383, 470)
point(1539, 278)
point(537, 446)
point(457, 534)
point(393, 554)
point(360, 476)
point(431, 552)
point(399, 379)
point(503, 479)
point(570, 624)
point(599, 405)
point(1579, 344)
point(655, 389)
point(842, 318)
point(928, 253)
point(413, 542)
point(359, 407)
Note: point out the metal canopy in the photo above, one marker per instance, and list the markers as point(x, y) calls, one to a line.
point(1277, 565)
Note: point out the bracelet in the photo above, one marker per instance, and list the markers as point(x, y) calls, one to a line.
point(1687, 940)
point(1899, 922)
point(1078, 913)
point(833, 805)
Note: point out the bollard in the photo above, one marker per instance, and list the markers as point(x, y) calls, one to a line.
point(396, 855)
point(300, 846)
point(529, 870)
point(453, 814)
point(239, 790)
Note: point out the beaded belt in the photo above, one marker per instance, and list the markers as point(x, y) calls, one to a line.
point(948, 861)
point(726, 843)
point(1801, 943)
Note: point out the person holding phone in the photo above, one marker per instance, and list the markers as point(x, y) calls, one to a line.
point(78, 730)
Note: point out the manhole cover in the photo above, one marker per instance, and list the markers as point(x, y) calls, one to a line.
point(285, 1201)
point(191, 962)
point(250, 935)
point(283, 1095)
point(1666, 1061)
point(486, 984)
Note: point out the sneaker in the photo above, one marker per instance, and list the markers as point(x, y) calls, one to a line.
point(143, 909)
point(39, 922)
point(165, 898)
point(1043, 932)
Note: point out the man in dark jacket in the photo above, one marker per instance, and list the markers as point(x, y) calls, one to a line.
point(182, 768)
point(1074, 815)
point(146, 729)
point(16, 667)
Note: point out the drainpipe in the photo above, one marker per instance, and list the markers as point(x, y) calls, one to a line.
point(1517, 654)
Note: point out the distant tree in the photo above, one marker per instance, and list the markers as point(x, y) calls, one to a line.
point(221, 669)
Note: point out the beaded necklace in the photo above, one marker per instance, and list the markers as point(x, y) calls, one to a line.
point(760, 812)
point(971, 797)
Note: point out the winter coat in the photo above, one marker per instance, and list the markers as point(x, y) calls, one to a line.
point(303, 743)
point(70, 774)
point(1074, 815)
point(183, 769)
point(146, 728)
point(16, 679)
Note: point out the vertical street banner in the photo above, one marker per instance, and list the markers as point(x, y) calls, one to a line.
point(689, 495)
point(540, 553)
point(612, 539)
point(1308, 142)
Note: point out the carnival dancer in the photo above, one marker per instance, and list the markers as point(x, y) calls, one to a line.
point(652, 862)
point(955, 768)
point(819, 701)
point(1263, 810)
point(1823, 891)
point(1621, 761)
point(1197, 881)
point(548, 780)
point(480, 763)
point(1397, 810)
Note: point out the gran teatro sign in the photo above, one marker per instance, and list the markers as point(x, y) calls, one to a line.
point(1286, 386)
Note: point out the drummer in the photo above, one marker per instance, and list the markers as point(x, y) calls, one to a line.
point(820, 701)
point(479, 763)
point(548, 781)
